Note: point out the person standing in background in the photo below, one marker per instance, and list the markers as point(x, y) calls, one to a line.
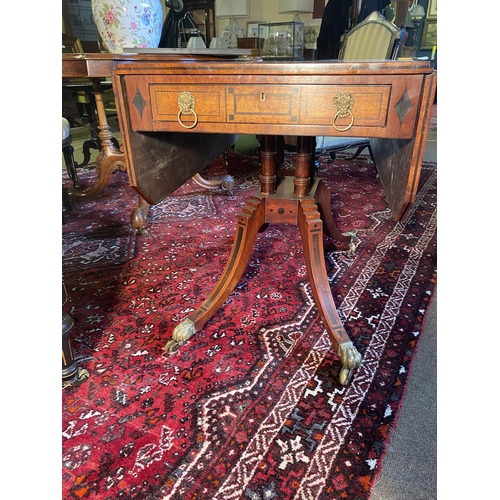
point(170, 36)
point(334, 22)
point(368, 6)
point(337, 19)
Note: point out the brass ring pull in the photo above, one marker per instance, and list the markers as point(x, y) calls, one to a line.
point(186, 103)
point(342, 105)
point(193, 112)
point(337, 114)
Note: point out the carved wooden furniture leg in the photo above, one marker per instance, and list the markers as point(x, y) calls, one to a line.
point(72, 373)
point(69, 160)
point(309, 219)
point(250, 221)
point(94, 143)
point(311, 230)
point(293, 200)
point(225, 182)
point(109, 158)
point(87, 146)
point(321, 194)
point(139, 216)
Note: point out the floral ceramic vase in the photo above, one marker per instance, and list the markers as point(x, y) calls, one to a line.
point(128, 23)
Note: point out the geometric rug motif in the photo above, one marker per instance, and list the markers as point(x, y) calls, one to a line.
point(98, 247)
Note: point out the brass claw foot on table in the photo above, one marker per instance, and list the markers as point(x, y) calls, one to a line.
point(182, 332)
point(352, 243)
point(350, 358)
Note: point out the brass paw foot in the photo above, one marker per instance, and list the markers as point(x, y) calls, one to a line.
point(182, 332)
point(352, 243)
point(350, 358)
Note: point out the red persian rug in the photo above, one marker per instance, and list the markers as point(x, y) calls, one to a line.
point(250, 407)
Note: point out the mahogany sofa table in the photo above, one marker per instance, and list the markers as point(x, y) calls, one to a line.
point(388, 101)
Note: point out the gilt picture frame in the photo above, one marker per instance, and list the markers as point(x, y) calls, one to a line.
point(432, 10)
point(429, 34)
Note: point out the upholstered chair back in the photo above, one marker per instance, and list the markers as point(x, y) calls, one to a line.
point(373, 38)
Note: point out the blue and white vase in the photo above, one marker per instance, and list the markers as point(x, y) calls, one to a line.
point(128, 23)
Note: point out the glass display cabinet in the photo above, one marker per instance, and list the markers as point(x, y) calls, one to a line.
point(282, 41)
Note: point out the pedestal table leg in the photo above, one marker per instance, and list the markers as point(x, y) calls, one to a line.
point(109, 158)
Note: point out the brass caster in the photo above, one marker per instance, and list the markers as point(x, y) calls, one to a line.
point(352, 243)
point(172, 346)
point(345, 376)
point(143, 231)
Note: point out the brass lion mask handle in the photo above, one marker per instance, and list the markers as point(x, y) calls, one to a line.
point(186, 103)
point(342, 105)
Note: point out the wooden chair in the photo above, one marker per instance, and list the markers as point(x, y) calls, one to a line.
point(373, 38)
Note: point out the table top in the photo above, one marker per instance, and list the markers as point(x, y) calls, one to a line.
point(102, 65)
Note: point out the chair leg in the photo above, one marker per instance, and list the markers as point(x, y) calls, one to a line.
point(69, 159)
point(358, 152)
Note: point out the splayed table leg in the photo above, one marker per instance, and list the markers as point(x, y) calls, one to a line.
point(289, 200)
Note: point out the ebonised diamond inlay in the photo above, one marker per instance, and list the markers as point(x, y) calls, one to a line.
point(139, 101)
point(403, 106)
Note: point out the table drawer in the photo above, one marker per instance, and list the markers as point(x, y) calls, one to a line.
point(364, 105)
point(276, 104)
point(207, 101)
point(154, 106)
